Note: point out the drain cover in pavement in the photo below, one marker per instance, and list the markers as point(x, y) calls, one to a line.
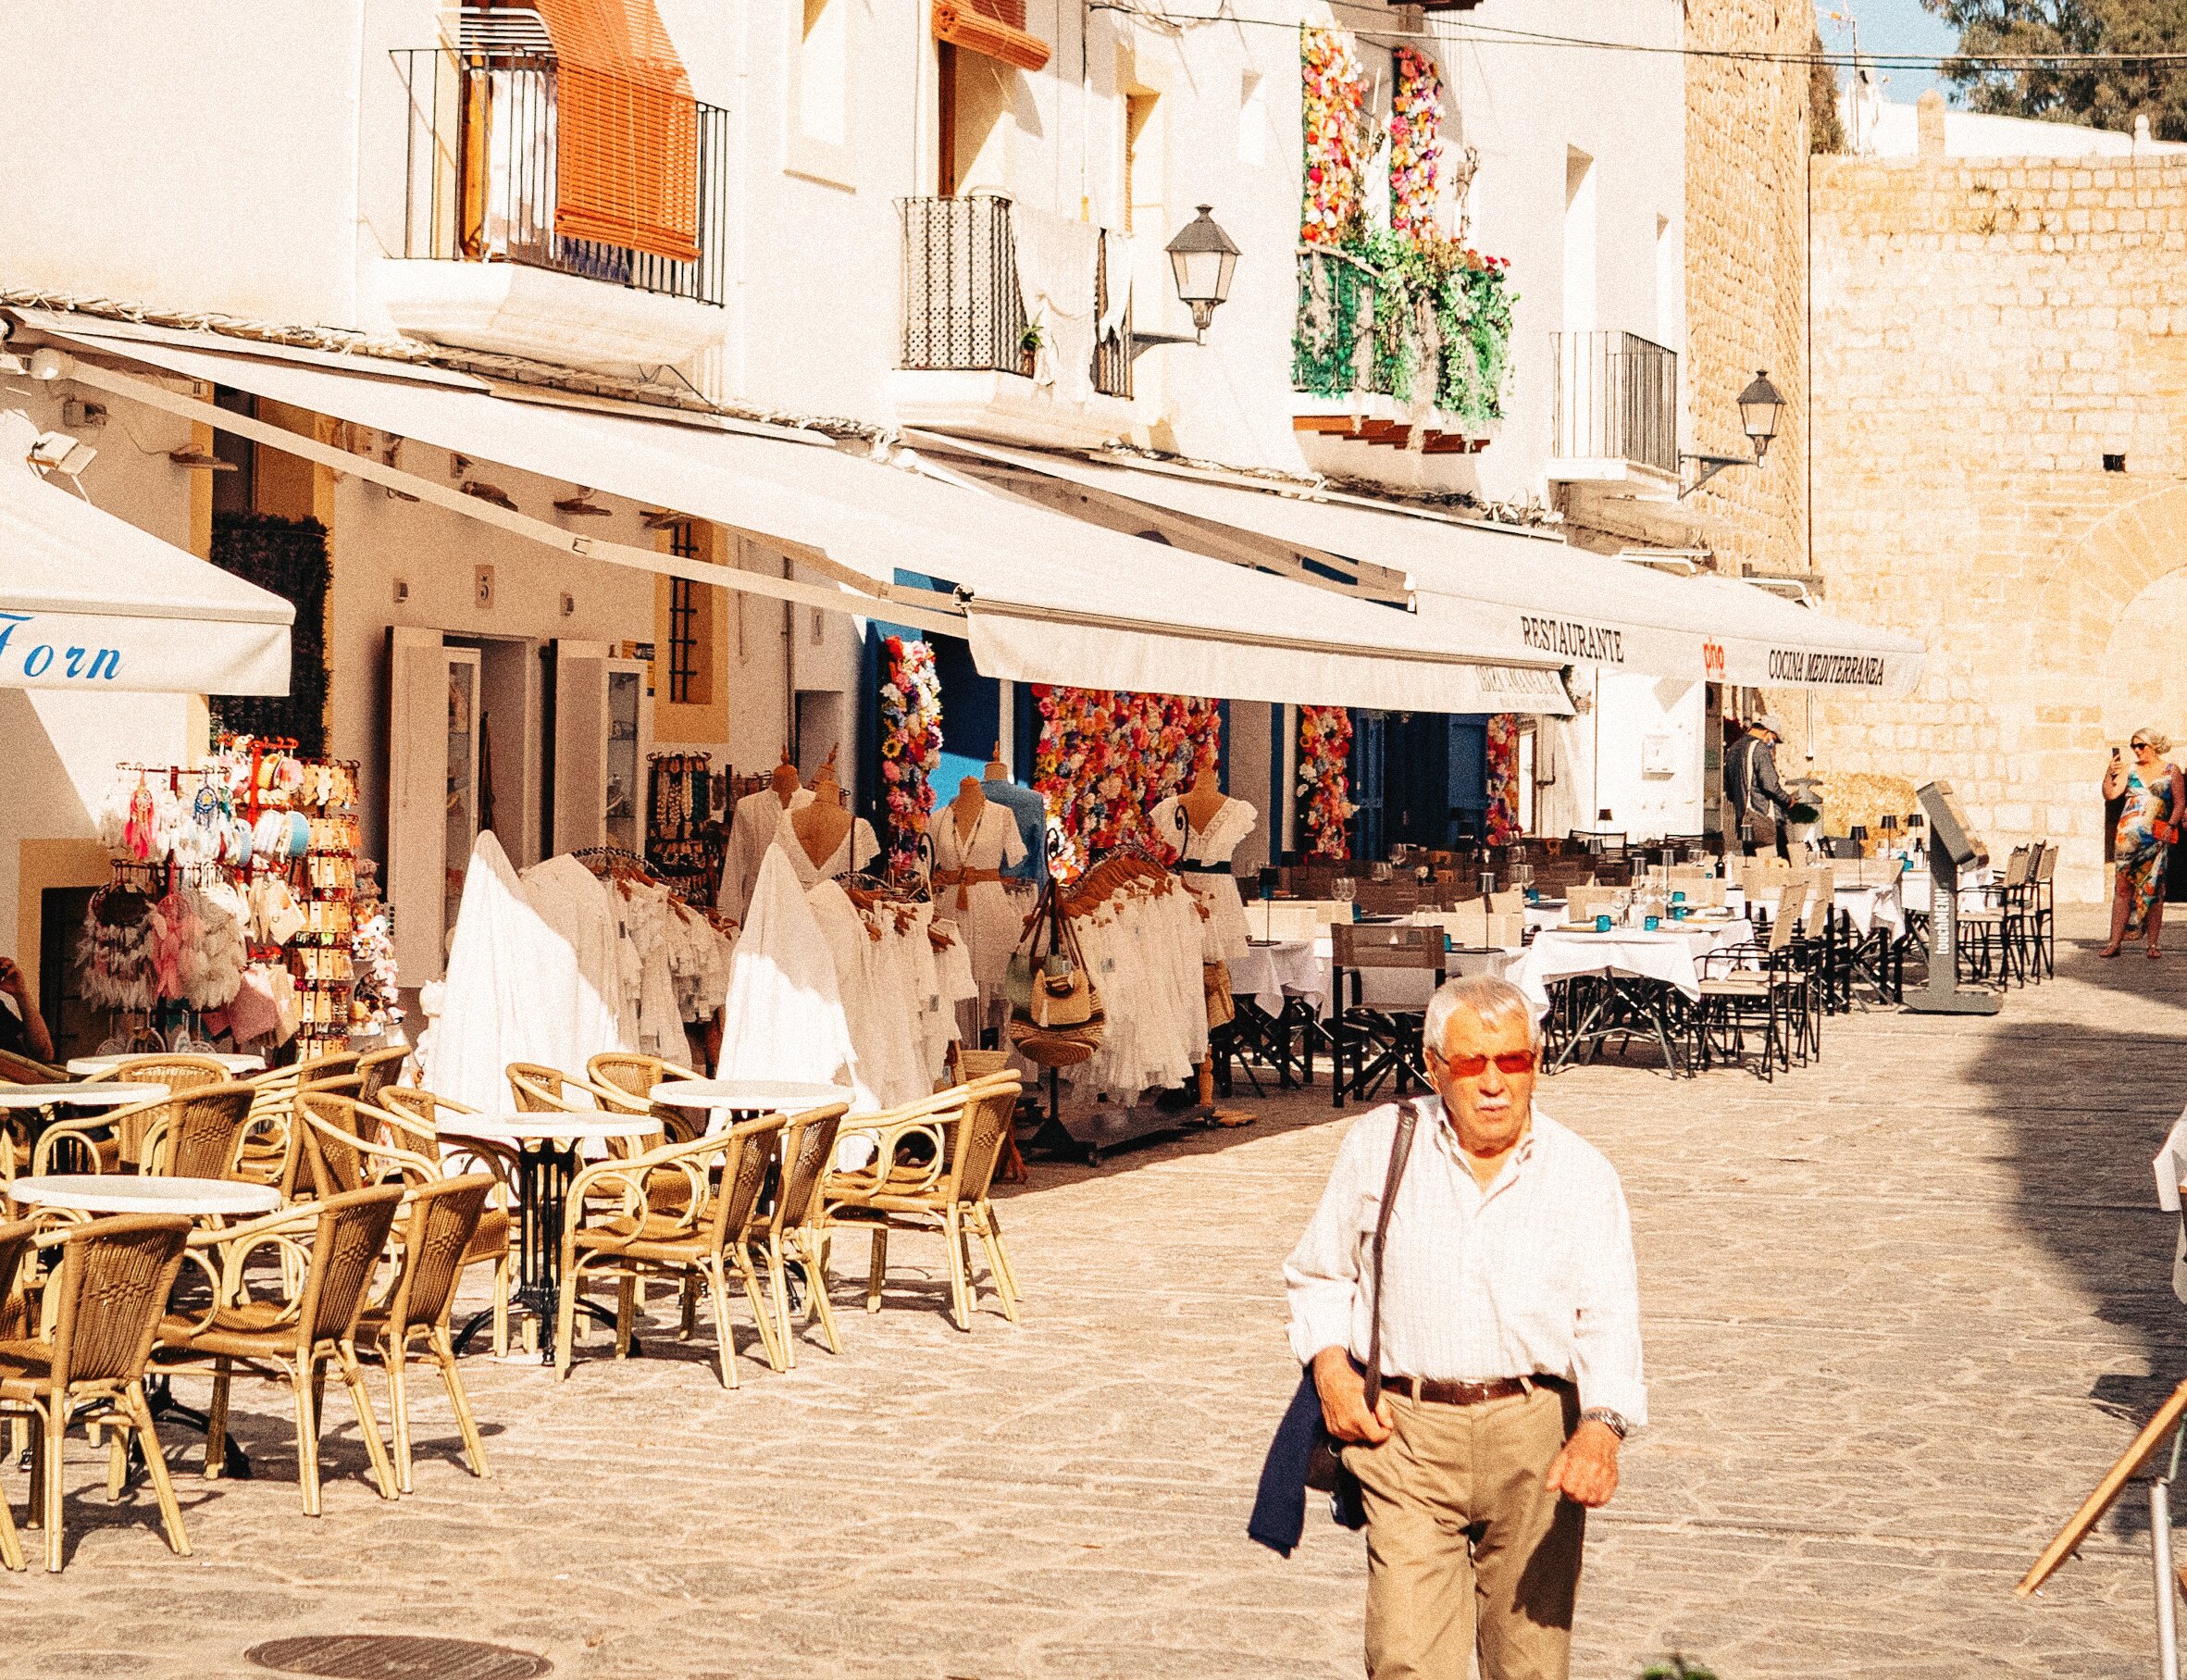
point(396, 1657)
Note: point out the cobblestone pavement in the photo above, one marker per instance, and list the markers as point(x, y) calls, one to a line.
point(1902, 1309)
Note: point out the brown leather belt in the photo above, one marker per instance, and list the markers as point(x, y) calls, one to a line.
point(964, 880)
point(1441, 1393)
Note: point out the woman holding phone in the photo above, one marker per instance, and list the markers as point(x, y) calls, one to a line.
point(2154, 791)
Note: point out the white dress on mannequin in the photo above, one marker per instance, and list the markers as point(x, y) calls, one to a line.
point(783, 1018)
point(853, 852)
point(1225, 935)
point(751, 831)
point(990, 928)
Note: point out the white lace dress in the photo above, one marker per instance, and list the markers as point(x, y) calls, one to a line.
point(990, 928)
point(1225, 935)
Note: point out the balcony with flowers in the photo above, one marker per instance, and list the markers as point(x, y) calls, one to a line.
point(1402, 336)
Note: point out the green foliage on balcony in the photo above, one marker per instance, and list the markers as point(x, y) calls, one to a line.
point(1415, 319)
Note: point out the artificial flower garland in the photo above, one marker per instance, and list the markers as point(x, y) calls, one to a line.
point(911, 744)
point(1324, 758)
point(1503, 780)
point(1363, 294)
point(1108, 757)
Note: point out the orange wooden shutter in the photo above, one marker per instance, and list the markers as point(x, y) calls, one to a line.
point(996, 28)
point(626, 129)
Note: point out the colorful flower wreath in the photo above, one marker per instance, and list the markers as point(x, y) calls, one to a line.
point(1325, 755)
point(911, 744)
point(1337, 137)
point(1107, 758)
point(1503, 780)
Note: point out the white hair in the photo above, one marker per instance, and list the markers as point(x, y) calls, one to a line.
point(1491, 999)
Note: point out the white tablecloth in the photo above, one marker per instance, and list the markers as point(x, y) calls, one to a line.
point(1267, 971)
point(1871, 906)
point(1668, 954)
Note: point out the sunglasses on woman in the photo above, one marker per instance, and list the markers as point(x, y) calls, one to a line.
point(1473, 1067)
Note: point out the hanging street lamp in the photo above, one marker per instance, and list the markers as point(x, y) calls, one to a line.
point(1759, 406)
point(1202, 260)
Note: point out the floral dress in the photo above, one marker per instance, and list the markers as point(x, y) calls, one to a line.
point(2138, 852)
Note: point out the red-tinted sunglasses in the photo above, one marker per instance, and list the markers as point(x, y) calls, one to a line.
point(1473, 1067)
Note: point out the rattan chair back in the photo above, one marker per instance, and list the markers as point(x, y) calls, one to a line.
point(631, 1075)
point(379, 1069)
point(201, 1136)
point(18, 1237)
point(989, 1102)
point(347, 1145)
point(808, 1148)
point(346, 1245)
point(178, 1073)
point(111, 1288)
point(748, 1149)
point(444, 1218)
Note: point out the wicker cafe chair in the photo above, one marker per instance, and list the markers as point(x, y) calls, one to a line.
point(633, 1241)
point(380, 1069)
point(273, 1146)
point(443, 1219)
point(1771, 994)
point(102, 1302)
point(201, 1135)
point(1377, 1043)
point(634, 1076)
point(292, 1341)
point(92, 1143)
point(351, 1145)
point(493, 1243)
point(933, 1165)
point(792, 1229)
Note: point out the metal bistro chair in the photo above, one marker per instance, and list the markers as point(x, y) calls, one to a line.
point(2044, 949)
point(1992, 940)
point(1368, 1045)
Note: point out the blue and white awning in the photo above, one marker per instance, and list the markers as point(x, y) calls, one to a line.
point(90, 603)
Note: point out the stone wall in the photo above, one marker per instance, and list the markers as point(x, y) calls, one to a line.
point(1985, 334)
point(1745, 267)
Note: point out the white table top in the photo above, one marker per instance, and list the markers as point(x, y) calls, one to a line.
point(235, 1062)
point(1670, 954)
point(546, 1128)
point(77, 1093)
point(121, 1193)
point(757, 1096)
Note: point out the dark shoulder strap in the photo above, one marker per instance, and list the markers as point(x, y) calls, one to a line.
point(1400, 1151)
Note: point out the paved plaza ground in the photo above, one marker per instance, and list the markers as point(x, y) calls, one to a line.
point(1901, 1310)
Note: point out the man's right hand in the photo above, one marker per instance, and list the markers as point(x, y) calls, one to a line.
point(1344, 1399)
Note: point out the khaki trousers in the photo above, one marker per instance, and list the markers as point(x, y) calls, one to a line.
point(1464, 1542)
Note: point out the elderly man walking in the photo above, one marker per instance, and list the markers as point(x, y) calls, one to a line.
point(1510, 1346)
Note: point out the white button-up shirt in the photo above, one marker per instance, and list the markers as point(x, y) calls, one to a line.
point(1532, 1275)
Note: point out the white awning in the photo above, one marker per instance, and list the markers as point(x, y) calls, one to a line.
point(1040, 597)
point(1520, 589)
point(90, 603)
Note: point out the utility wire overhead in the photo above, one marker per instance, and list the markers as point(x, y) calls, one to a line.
point(1490, 34)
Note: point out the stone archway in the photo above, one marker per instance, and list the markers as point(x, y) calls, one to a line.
point(2142, 680)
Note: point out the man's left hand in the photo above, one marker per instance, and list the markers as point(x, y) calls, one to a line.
point(1586, 1471)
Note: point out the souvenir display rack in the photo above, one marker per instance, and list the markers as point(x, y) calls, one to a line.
point(277, 832)
point(684, 841)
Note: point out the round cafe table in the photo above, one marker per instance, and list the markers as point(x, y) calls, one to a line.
point(237, 1063)
point(748, 1099)
point(547, 1147)
point(125, 1193)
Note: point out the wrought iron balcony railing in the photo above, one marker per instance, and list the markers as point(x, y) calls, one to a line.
point(1616, 400)
point(963, 310)
point(478, 164)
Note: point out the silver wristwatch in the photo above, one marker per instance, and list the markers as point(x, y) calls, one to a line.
point(1613, 1421)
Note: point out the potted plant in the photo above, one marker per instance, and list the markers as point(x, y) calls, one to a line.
point(1028, 347)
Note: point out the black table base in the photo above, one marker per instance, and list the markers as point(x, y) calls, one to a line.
point(545, 1169)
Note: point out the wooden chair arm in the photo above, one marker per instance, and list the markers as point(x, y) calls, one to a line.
point(853, 1184)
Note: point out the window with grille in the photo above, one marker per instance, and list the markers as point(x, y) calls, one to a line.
point(690, 676)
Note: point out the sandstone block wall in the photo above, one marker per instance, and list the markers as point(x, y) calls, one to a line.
point(1985, 334)
point(1746, 266)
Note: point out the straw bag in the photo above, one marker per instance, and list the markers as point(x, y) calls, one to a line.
point(1061, 1022)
